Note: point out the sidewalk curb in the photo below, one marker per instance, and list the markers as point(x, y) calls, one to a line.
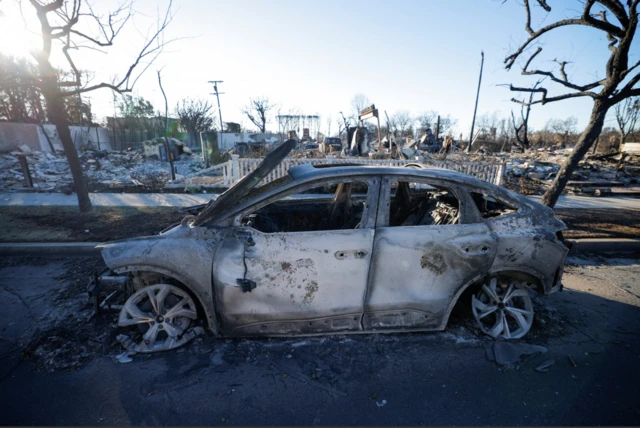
point(594, 245)
point(49, 249)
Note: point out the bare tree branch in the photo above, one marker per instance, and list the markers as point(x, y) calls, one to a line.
point(545, 99)
point(627, 115)
point(617, 69)
point(49, 7)
point(564, 81)
point(627, 90)
point(149, 52)
point(586, 20)
point(618, 11)
point(258, 112)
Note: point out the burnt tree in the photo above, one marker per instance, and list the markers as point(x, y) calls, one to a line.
point(619, 84)
point(521, 128)
point(258, 112)
point(627, 116)
point(402, 122)
point(358, 103)
point(59, 23)
point(195, 116)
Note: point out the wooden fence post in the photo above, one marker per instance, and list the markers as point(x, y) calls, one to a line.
point(24, 165)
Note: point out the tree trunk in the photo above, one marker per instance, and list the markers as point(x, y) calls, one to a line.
point(57, 116)
point(587, 138)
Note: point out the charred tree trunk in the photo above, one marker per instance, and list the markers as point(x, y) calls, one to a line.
point(586, 140)
point(58, 117)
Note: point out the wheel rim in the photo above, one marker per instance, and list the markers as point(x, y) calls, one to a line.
point(503, 309)
point(162, 312)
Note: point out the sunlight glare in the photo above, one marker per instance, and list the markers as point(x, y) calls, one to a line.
point(15, 39)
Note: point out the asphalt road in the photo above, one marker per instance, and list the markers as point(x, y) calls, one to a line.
point(58, 368)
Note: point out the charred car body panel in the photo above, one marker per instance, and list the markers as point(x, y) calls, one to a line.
point(419, 239)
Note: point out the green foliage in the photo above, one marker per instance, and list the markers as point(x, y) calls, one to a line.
point(130, 106)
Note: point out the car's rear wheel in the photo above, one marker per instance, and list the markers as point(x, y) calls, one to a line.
point(163, 313)
point(503, 308)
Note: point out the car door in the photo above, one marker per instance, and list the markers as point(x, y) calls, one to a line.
point(417, 268)
point(308, 277)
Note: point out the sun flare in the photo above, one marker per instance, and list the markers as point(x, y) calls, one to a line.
point(15, 38)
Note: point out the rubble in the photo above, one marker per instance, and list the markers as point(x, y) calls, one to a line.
point(104, 170)
point(506, 353)
point(531, 172)
point(140, 170)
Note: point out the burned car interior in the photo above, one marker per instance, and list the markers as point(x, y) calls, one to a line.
point(420, 204)
point(323, 207)
point(489, 207)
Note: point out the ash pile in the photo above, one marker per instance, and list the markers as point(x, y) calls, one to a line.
point(532, 172)
point(105, 171)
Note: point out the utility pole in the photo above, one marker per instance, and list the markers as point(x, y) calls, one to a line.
point(217, 94)
point(473, 122)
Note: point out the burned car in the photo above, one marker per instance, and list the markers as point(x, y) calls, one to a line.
point(342, 248)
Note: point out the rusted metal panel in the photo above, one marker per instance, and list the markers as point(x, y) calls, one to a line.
point(305, 282)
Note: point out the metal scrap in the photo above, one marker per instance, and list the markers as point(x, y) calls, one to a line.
point(544, 367)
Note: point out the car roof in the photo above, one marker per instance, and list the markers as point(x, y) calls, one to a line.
point(309, 172)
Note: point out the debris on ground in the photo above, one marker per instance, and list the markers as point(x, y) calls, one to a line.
point(506, 353)
point(130, 344)
point(544, 367)
point(104, 171)
point(62, 338)
point(125, 357)
point(533, 171)
point(139, 170)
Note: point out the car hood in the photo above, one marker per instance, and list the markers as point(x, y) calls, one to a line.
point(245, 185)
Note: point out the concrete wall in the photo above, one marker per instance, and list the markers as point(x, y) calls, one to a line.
point(13, 135)
point(226, 140)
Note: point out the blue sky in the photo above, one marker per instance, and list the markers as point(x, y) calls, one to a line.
point(315, 55)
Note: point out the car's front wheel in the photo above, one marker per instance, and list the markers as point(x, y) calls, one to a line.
point(163, 313)
point(503, 308)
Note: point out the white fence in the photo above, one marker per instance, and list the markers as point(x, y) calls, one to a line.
point(230, 172)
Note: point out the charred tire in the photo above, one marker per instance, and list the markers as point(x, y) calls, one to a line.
point(503, 308)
